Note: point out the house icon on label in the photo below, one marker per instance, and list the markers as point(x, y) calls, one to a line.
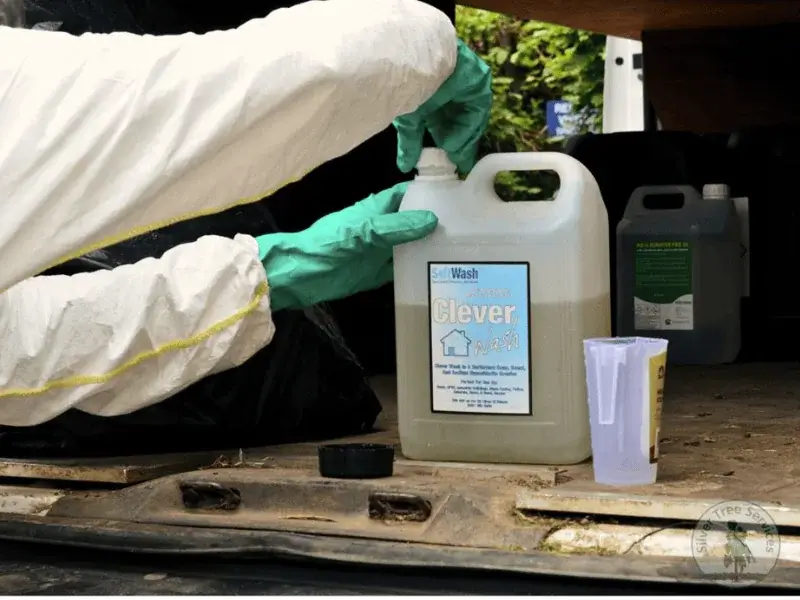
point(456, 343)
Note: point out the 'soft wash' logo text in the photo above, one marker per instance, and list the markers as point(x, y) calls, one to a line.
point(455, 273)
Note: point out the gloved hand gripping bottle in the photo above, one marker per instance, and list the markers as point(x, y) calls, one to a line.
point(491, 312)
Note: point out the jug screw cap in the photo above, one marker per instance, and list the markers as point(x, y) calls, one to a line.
point(434, 159)
point(716, 191)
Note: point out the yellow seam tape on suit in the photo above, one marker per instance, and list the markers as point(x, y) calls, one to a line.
point(78, 380)
point(110, 241)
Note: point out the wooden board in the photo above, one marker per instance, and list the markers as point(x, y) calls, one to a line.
point(125, 470)
point(729, 432)
point(628, 18)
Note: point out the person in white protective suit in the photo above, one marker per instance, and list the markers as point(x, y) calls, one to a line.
point(108, 136)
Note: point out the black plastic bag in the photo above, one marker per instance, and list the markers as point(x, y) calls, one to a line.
point(80, 16)
point(305, 385)
point(12, 13)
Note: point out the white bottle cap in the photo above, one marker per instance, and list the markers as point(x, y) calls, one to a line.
point(435, 158)
point(716, 191)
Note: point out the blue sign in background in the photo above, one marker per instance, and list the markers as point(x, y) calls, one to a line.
point(562, 119)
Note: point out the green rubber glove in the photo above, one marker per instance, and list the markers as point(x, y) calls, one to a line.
point(457, 115)
point(343, 253)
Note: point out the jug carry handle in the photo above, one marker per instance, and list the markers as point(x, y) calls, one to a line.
point(636, 203)
point(575, 180)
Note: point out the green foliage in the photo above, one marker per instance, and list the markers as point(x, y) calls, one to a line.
point(532, 63)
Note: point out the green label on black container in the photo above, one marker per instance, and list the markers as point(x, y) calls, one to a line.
point(663, 298)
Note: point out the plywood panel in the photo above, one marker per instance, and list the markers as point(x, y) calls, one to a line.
point(721, 81)
point(628, 18)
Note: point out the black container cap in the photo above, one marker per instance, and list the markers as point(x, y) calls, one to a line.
point(356, 461)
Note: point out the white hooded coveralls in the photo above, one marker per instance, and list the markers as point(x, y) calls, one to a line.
point(105, 137)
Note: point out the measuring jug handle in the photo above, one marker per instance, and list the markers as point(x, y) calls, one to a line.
point(575, 180)
point(636, 203)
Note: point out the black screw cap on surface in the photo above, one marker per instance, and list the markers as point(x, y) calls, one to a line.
point(356, 461)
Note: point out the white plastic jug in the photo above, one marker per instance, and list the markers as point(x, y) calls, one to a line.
point(492, 310)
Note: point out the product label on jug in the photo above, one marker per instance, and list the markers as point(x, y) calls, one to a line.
point(663, 298)
point(480, 338)
point(657, 369)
